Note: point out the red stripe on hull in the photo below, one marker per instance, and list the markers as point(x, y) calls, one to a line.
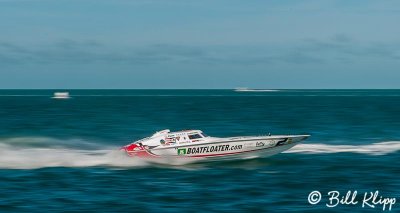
point(232, 153)
point(146, 154)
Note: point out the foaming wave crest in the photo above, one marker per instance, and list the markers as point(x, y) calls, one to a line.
point(380, 148)
point(38, 152)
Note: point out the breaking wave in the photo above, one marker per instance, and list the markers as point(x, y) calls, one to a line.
point(380, 148)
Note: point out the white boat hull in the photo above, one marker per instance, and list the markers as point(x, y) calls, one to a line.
point(217, 149)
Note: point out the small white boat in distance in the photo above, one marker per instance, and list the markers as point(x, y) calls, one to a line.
point(61, 95)
point(193, 145)
point(245, 89)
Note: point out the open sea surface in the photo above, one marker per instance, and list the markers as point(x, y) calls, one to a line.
point(62, 155)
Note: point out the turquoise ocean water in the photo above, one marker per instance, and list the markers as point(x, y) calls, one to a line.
point(61, 155)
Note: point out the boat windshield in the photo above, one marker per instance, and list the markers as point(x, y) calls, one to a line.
point(195, 136)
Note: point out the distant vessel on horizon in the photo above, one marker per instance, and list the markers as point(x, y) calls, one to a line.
point(61, 95)
point(245, 89)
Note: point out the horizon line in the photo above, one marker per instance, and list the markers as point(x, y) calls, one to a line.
point(198, 88)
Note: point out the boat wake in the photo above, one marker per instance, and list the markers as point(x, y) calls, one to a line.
point(380, 148)
point(255, 90)
point(42, 152)
point(40, 158)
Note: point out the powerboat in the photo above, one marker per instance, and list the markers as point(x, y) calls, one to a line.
point(245, 89)
point(194, 145)
point(61, 95)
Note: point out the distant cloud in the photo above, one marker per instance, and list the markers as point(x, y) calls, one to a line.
point(68, 51)
point(342, 46)
point(308, 51)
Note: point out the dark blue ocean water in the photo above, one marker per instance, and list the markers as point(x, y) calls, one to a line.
point(60, 155)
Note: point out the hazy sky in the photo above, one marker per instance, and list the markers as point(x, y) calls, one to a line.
point(199, 44)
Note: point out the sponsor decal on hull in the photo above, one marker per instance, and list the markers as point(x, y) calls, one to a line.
point(182, 151)
point(208, 149)
point(284, 142)
point(260, 144)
